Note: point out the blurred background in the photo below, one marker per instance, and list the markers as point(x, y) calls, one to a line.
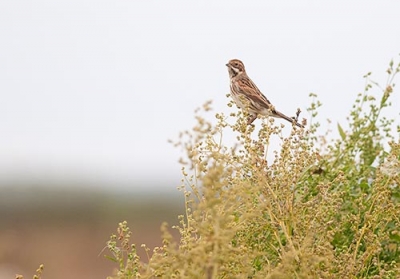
point(67, 229)
point(91, 91)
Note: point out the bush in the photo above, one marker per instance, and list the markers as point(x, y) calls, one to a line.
point(320, 209)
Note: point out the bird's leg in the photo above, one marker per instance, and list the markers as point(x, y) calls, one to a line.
point(251, 118)
point(297, 114)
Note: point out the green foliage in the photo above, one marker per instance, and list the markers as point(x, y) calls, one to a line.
point(320, 209)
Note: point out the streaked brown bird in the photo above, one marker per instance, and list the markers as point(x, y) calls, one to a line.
point(247, 95)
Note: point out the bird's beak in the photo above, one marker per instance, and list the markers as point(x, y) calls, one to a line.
point(227, 65)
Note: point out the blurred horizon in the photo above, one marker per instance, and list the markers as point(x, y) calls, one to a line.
point(99, 183)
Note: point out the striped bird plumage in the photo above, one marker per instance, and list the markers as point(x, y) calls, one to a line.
point(246, 94)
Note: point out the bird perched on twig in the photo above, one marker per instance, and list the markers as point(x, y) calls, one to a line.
point(246, 95)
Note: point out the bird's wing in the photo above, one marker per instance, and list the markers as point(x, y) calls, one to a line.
point(251, 91)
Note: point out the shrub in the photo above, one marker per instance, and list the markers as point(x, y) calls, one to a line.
point(319, 209)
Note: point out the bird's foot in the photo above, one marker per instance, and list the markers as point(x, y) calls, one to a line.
point(251, 119)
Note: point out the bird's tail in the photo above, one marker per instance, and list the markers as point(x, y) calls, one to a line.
point(290, 119)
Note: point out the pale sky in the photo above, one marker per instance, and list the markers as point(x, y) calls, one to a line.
point(94, 89)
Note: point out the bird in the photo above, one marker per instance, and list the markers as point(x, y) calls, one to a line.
point(246, 94)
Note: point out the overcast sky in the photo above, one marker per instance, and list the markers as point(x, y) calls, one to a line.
point(94, 89)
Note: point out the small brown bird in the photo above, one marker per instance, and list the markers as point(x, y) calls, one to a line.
point(247, 96)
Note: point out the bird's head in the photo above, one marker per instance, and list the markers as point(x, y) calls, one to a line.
point(235, 67)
